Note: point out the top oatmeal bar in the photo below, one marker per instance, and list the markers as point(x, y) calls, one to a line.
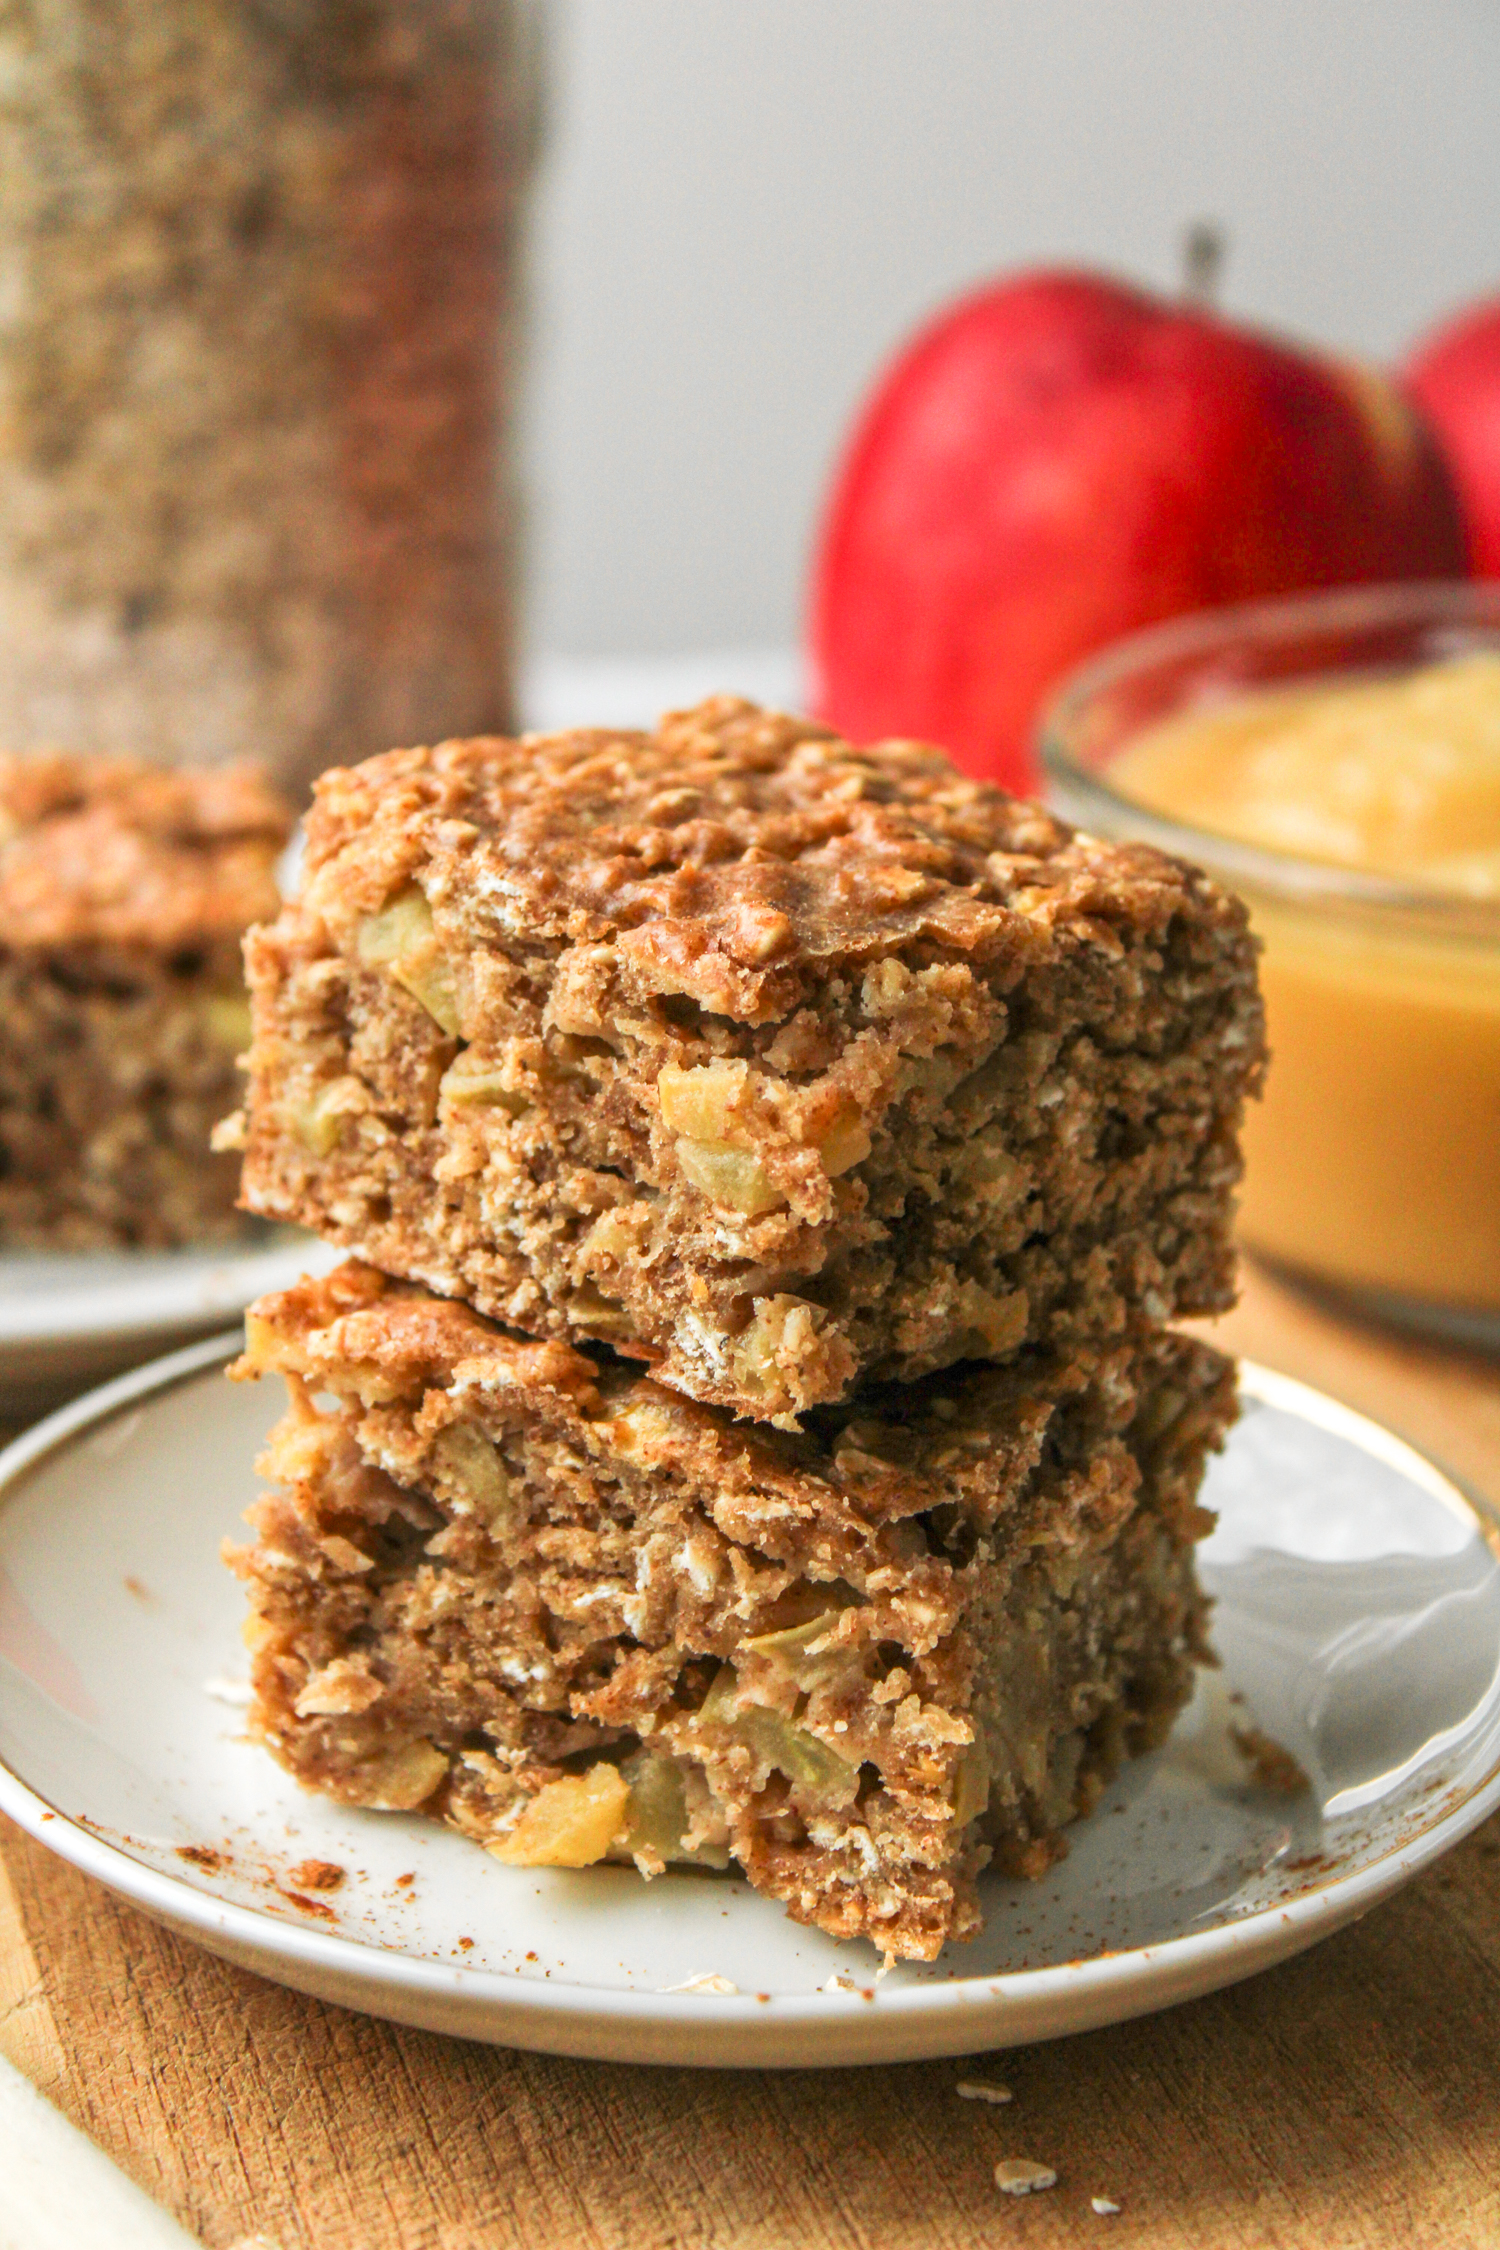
point(775, 1063)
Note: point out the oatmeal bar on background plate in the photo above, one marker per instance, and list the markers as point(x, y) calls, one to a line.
point(774, 1063)
point(125, 890)
point(531, 1592)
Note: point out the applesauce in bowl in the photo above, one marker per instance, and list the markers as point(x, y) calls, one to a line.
point(1335, 758)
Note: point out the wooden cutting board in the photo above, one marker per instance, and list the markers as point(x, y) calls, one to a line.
point(1348, 2100)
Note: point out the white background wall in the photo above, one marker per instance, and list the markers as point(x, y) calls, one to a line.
point(745, 203)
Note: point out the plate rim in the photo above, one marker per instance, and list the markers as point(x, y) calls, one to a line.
point(962, 2013)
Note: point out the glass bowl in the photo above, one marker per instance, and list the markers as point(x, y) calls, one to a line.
point(1373, 1162)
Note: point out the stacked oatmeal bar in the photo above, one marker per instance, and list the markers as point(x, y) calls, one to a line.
point(747, 1428)
point(125, 891)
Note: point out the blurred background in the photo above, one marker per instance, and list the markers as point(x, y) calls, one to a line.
point(741, 210)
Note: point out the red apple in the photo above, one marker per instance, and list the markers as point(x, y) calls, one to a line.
point(1060, 459)
point(1454, 375)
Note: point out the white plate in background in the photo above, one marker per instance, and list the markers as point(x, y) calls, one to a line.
point(633, 691)
point(1358, 1619)
point(68, 1319)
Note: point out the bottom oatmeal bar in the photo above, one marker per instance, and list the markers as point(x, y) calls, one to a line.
point(579, 1617)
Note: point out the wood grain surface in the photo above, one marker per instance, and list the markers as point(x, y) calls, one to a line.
point(1349, 2100)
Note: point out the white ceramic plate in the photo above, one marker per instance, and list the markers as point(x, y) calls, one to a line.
point(1358, 1619)
point(67, 1320)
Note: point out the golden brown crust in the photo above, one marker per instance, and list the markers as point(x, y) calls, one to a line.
point(735, 855)
point(402, 1338)
point(115, 852)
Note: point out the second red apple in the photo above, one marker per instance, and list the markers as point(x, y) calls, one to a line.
point(1060, 459)
point(1454, 376)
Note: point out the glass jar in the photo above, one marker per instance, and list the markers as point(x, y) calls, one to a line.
point(1373, 1162)
point(258, 305)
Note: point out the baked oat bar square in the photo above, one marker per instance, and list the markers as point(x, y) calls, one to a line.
point(533, 1593)
point(777, 1064)
point(125, 891)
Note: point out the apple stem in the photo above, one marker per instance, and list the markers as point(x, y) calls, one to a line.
point(1203, 247)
